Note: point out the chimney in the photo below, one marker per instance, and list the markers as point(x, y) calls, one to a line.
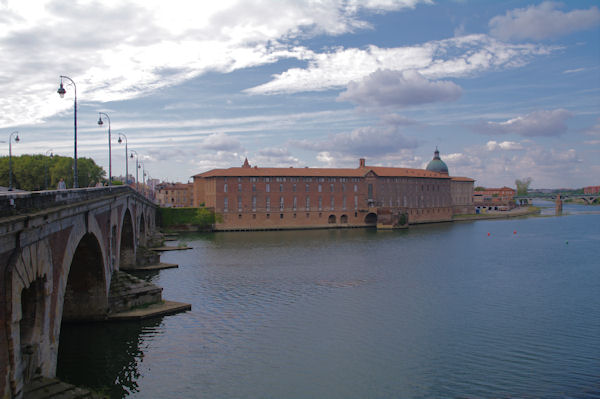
point(361, 163)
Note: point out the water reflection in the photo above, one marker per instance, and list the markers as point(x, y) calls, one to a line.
point(104, 356)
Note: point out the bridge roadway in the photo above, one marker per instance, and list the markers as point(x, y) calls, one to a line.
point(58, 252)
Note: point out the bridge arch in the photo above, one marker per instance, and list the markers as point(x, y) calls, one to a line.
point(85, 294)
point(127, 241)
point(30, 291)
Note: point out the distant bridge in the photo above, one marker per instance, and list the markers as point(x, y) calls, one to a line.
point(58, 252)
point(528, 199)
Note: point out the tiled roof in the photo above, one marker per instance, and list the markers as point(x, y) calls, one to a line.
point(321, 172)
point(459, 178)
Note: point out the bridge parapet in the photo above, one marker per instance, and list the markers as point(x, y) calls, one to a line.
point(27, 202)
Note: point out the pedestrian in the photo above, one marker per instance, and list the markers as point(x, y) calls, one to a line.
point(61, 184)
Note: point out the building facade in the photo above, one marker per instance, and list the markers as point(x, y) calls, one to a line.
point(494, 198)
point(249, 198)
point(175, 195)
point(591, 190)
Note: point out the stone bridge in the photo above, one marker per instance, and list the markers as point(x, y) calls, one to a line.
point(58, 252)
point(528, 199)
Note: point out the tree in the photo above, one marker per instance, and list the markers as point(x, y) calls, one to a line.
point(33, 172)
point(523, 185)
point(479, 188)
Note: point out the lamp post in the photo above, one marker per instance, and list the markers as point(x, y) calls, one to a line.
point(100, 122)
point(137, 183)
point(46, 174)
point(10, 187)
point(126, 161)
point(61, 91)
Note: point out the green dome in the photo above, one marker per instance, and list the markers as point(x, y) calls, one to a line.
point(436, 164)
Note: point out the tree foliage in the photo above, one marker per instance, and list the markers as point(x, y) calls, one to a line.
point(40, 172)
point(202, 217)
point(523, 185)
point(479, 188)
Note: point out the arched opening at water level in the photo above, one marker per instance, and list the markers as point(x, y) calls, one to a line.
point(127, 247)
point(371, 219)
point(86, 294)
point(331, 219)
point(344, 219)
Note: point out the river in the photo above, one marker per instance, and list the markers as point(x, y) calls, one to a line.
point(484, 309)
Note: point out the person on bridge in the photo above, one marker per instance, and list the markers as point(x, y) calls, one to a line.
point(61, 184)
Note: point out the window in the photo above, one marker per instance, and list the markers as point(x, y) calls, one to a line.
point(308, 203)
point(267, 179)
point(225, 204)
point(320, 203)
point(239, 179)
point(307, 188)
point(294, 187)
point(225, 187)
point(308, 179)
point(254, 203)
point(239, 187)
point(281, 216)
point(331, 179)
point(331, 188)
point(281, 203)
point(319, 188)
point(355, 202)
point(321, 179)
point(253, 187)
point(268, 187)
point(343, 188)
point(295, 203)
point(239, 203)
point(356, 188)
point(281, 188)
point(332, 204)
point(268, 204)
point(254, 179)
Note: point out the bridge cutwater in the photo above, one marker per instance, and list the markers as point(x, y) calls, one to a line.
point(59, 252)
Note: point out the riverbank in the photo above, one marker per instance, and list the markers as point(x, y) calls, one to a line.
point(516, 212)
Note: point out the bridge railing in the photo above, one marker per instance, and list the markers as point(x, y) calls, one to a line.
point(26, 202)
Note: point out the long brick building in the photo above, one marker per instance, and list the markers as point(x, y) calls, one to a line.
point(250, 198)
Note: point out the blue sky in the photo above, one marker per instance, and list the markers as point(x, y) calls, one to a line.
point(505, 89)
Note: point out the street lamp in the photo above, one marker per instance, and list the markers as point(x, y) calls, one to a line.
point(61, 91)
point(10, 187)
point(46, 174)
point(137, 183)
point(100, 122)
point(126, 162)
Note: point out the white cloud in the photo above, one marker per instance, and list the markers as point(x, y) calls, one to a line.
point(594, 130)
point(454, 57)
point(386, 88)
point(505, 145)
point(275, 157)
point(537, 123)
point(541, 22)
point(118, 50)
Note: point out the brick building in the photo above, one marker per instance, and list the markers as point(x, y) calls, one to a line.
point(494, 198)
point(174, 195)
point(591, 190)
point(277, 198)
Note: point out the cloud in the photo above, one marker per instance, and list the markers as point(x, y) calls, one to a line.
point(221, 142)
point(386, 88)
point(275, 157)
point(537, 123)
point(594, 130)
point(454, 57)
point(118, 50)
point(505, 145)
point(364, 141)
point(541, 22)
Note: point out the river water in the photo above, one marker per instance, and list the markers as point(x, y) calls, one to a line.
point(484, 309)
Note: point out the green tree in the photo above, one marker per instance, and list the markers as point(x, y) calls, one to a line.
point(479, 188)
point(32, 172)
point(523, 185)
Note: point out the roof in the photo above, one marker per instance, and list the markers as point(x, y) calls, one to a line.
point(460, 178)
point(321, 172)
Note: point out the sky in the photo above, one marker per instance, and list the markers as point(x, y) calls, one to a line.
point(505, 89)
